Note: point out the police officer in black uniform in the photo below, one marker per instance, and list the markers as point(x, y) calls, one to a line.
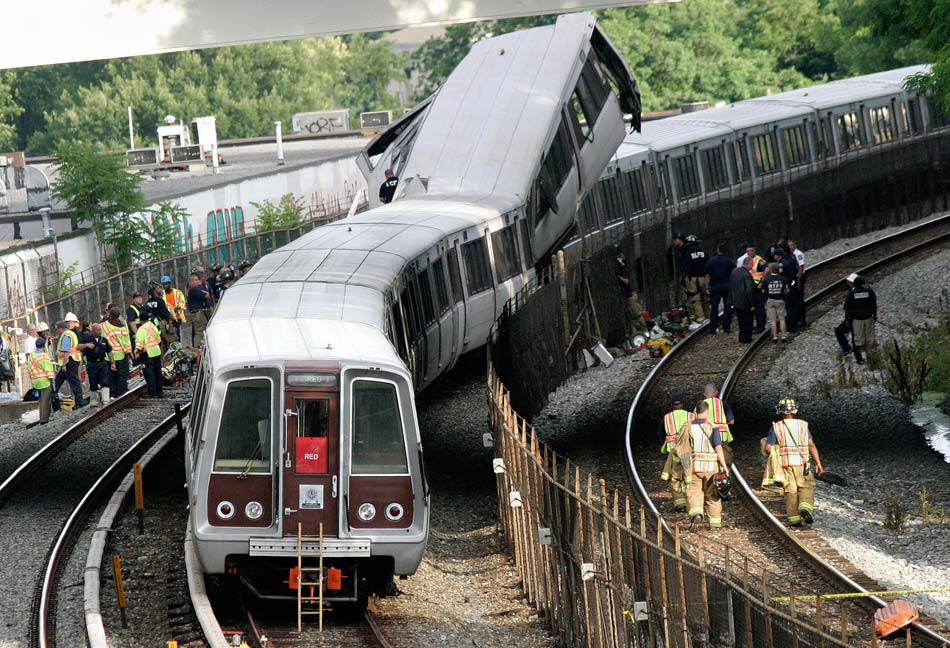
point(388, 189)
point(718, 270)
point(97, 358)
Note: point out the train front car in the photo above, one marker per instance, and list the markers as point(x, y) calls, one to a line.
point(304, 428)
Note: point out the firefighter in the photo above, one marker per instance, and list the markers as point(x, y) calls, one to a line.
point(670, 426)
point(696, 283)
point(700, 445)
point(720, 416)
point(175, 301)
point(796, 447)
point(148, 342)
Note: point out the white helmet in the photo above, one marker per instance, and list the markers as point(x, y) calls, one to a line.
point(71, 317)
point(43, 326)
point(851, 277)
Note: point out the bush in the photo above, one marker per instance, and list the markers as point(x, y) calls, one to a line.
point(284, 214)
point(905, 369)
point(895, 514)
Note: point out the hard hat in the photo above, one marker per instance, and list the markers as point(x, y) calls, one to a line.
point(71, 317)
point(215, 266)
point(723, 486)
point(786, 405)
point(851, 277)
point(43, 326)
point(226, 275)
point(166, 279)
point(692, 238)
point(245, 264)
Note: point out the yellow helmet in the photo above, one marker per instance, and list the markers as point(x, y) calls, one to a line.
point(786, 405)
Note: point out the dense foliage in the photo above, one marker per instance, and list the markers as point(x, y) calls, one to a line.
point(689, 51)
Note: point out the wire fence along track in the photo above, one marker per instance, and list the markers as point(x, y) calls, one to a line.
point(43, 630)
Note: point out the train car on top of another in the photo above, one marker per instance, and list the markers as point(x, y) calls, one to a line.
point(304, 414)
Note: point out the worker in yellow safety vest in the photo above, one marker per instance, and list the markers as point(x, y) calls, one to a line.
point(796, 450)
point(700, 445)
point(42, 373)
point(69, 354)
point(758, 270)
point(673, 421)
point(720, 415)
point(148, 344)
point(177, 306)
point(117, 333)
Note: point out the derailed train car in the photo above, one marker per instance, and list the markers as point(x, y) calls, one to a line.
point(304, 414)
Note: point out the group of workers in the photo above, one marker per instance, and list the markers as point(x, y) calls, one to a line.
point(760, 290)
point(152, 323)
point(697, 445)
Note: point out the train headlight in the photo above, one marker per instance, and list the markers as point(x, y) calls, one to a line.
point(225, 510)
point(254, 510)
point(366, 511)
point(394, 512)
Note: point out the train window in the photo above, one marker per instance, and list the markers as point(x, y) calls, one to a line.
point(525, 244)
point(796, 148)
point(684, 167)
point(505, 247)
point(850, 132)
point(197, 420)
point(477, 272)
point(378, 445)
point(455, 277)
point(579, 119)
point(244, 435)
point(441, 290)
point(588, 98)
point(409, 309)
point(637, 190)
point(763, 151)
point(882, 126)
point(742, 159)
point(313, 418)
point(938, 115)
point(827, 135)
point(557, 164)
point(400, 334)
point(425, 294)
point(912, 118)
point(714, 169)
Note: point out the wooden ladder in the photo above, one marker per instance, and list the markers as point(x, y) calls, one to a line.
point(301, 599)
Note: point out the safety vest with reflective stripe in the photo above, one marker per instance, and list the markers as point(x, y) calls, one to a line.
point(756, 274)
point(717, 416)
point(41, 369)
point(138, 313)
point(175, 300)
point(74, 351)
point(148, 339)
point(672, 423)
point(703, 457)
point(119, 339)
point(793, 437)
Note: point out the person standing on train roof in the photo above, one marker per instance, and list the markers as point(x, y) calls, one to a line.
point(387, 190)
point(670, 426)
point(696, 283)
point(702, 444)
point(797, 451)
point(148, 344)
point(42, 373)
point(120, 340)
point(718, 270)
point(742, 296)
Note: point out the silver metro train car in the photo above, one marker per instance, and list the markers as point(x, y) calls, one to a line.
point(304, 415)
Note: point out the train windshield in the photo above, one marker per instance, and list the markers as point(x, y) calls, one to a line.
point(244, 437)
point(379, 446)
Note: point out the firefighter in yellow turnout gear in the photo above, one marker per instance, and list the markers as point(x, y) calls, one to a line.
point(795, 445)
point(670, 426)
point(699, 445)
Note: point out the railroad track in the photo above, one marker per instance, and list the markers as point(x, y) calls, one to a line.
point(356, 630)
point(38, 500)
point(799, 561)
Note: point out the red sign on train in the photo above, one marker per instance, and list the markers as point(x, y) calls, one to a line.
point(311, 454)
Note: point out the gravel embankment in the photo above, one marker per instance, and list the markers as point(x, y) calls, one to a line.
point(866, 436)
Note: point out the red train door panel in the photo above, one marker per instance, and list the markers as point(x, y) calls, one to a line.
point(311, 464)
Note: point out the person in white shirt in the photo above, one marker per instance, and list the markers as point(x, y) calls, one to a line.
point(798, 294)
point(29, 345)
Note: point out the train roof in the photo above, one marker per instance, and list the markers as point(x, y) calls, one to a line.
point(689, 128)
point(489, 124)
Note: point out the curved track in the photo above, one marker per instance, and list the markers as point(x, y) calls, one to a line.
point(750, 527)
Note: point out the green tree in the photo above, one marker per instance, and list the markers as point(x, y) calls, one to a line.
point(103, 194)
point(287, 212)
point(9, 111)
point(163, 240)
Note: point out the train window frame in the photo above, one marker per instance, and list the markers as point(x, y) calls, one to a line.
point(425, 297)
point(687, 178)
point(939, 118)
point(882, 124)
point(828, 135)
point(765, 154)
point(409, 312)
point(268, 460)
point(557, 164)
point(478, 277)
point(579, 120)
point(526, 254)
point(351, 398)
point(914, 115)
point(714, 168)
point(795, 143)
point(441, 289)
point(399, 330)
point(850, 129)
point(196, 422)
point(455, 274)
point(504, 245)
point(743, 163)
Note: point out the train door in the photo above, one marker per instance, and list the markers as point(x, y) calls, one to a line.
point(311, 463)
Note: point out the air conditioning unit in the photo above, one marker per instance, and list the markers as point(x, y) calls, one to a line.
point(375, 120)
point(142, 157)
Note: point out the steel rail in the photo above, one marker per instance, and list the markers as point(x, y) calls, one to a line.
point(74, 431)
point(59, 551)
point(770, 520)
point(370, 619)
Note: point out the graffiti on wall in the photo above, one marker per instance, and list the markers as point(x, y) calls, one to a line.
point(224, 225)
point(181, 230)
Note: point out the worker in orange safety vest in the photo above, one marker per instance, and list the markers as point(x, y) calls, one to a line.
point(796, 450)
